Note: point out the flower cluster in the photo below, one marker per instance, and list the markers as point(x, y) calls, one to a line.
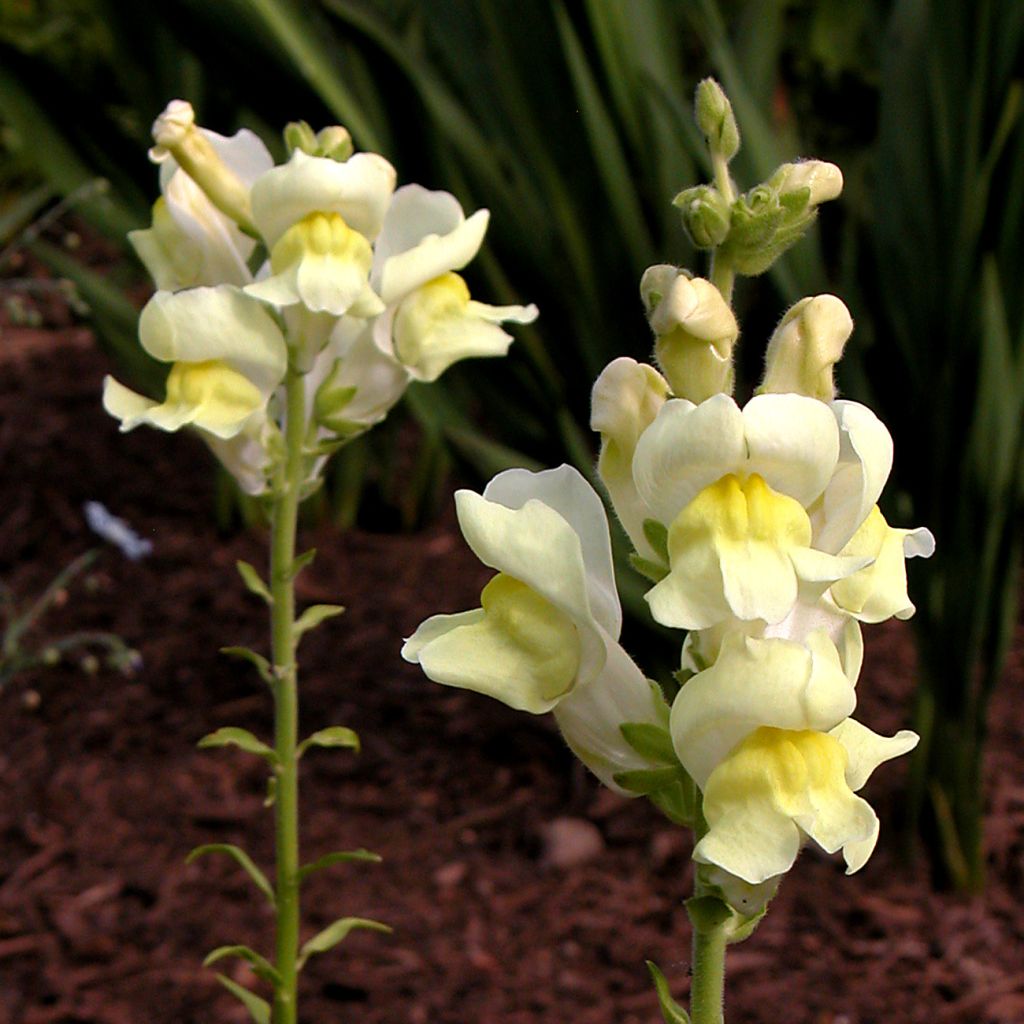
point(320, 264)
point(759, 529)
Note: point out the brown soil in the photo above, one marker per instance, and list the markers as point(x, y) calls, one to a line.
point(102, 792)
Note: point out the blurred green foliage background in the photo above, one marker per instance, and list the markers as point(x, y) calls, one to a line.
point(572, 122)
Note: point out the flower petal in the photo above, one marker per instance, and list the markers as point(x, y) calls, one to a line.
point(866, 750)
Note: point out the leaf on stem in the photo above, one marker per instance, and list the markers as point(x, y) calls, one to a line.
point(649, 780)
point(259, 1009)
point(653, 571)
point(650, 741)
point(314, 615)
point(261, 966)
point(302, 561)
point(335, 736)
point(231, 735)
point(253, 581)
point(336, 933)
point(671, 1011)
point(243, 860)
point(246, 654)
point(339, 857)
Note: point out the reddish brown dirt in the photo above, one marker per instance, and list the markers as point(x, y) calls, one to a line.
point(102, 793)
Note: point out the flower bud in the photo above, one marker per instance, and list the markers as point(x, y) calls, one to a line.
point(176, 135)
point(716, 120)
point(695, 331)
point(804, 348)
point(705, 215)
point(823, 180)
point(334, 142)
point(299, 135)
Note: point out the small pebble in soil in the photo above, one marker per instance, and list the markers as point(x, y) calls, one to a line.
point(569, 842)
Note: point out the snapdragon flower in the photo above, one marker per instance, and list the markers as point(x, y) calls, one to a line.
point(546, 636)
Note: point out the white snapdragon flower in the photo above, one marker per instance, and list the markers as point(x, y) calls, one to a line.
point(545, 638)
point(191, 241)
point(431, 320)
point(766, 734)
point(227, 356)
point(319, 218)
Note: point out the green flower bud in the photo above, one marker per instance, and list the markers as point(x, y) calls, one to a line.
point(824, 181)
point(705, 214)
point(716, 119)
point(805, 347)
point(334, 142)
point(299, 135)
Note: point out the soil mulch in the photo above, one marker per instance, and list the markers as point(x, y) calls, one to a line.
point(475, 809)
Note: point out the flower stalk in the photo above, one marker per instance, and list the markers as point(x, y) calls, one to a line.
point(285, 675)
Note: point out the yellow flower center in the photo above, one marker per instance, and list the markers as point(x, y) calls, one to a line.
point(320, 235)
point(440, 301)
point(218, 394)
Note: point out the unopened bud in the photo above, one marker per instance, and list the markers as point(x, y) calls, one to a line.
point(176, 134)
point(805, 347)
point(716, 119)
point(299, 135)
point(705, 214)
point(823, 180)
point(695, 331)
point(335, 143)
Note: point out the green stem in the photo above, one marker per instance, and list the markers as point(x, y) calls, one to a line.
point(707, 989)
point(286, 701)
point(721, 274)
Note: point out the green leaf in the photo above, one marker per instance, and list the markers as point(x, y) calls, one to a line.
point(650, 741)
point(231, 735)
point(253, 581)
point(302, 561)
point(243, 860)
point(339, 857)
point(262, 967)
point(334, 736)
point(314, 615)
point(648, 780)
point(335, 933)
point(652, 570)
point(661, 705)
point(676, 802)
point(671, 1011)
point(259, 1009)
point(657, 536)
point(246, 654)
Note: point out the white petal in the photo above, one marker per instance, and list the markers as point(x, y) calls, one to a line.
point(686, 448)
point(567, 492)
point(793, 443)
point(866, 750)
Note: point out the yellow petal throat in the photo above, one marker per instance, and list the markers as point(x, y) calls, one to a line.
point(215, 395)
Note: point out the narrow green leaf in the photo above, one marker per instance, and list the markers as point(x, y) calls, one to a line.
point(261, 966)
point(253, 581)
point(303, 560)
point(246, 654)
point(314, 615)
point(650, 741)
point(339, 857)
point(671, 1011)
point(335, 933)
point(647, 780)
point(243, 860)
point(231, 735)
point(259, 1009)
point(335, 736)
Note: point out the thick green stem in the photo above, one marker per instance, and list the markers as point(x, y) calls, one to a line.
point(286, 701)
point(707, 989)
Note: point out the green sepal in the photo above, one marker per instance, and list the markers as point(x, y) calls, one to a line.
point(257, 660)
point(339, 857)
point(708, 913)
point(651, 570)
point(645, 781)
point(314, 615)
point(301, 562)
point(676, 802)
point(231, 735)
point(243, 860)
point(327, 447)
point(661, 707)
point(650, 741)
point(259, 1008)
point(310, 487)
point(334, 736)
point(671, 1011)
point(336, 933)
point(743, 927)
point(656, 534)
point(261, 966)
point(253, 581)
